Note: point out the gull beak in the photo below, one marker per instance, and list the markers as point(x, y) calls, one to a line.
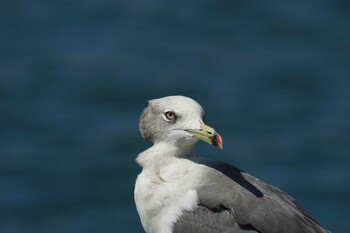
point(207, 134)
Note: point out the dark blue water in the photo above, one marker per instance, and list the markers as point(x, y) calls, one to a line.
point(273, 76)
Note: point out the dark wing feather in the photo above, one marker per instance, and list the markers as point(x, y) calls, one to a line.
point(243, 203)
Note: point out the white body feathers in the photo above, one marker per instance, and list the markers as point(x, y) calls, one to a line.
point(165, 188)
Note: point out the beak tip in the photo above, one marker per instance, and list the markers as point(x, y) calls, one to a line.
point(217, 141)
point(221, 146)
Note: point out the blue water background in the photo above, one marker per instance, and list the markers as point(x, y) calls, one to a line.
point(273, 76)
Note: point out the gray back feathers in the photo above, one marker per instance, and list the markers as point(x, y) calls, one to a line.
point(234, 201)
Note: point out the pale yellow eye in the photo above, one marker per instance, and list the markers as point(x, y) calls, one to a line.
point(169, 115)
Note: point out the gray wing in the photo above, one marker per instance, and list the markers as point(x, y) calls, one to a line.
point(231, 201)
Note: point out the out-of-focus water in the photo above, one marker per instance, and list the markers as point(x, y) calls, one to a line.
point(273, 76)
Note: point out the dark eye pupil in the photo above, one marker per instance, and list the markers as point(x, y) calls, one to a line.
point(169, 115)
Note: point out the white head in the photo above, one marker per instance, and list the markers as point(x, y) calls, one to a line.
point(176, 120)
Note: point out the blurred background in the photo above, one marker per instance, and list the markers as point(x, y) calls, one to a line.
point(273, 77)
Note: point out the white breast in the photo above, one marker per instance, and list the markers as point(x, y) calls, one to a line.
point(162, 195)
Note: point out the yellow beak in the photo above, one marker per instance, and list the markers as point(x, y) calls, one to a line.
point(208, 135)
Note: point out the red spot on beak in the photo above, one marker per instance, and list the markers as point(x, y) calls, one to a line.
point(217, 140)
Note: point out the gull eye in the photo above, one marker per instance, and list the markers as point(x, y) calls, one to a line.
point(170, 115)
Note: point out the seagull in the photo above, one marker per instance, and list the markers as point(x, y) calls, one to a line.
point(179, 191)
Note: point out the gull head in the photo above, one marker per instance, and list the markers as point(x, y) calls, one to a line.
point(176, 120)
